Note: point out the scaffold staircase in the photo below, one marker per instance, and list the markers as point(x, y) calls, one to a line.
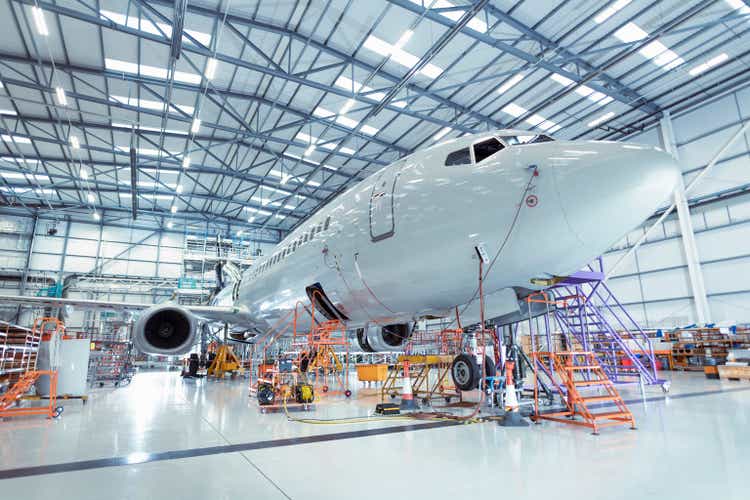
point(590, 316)
point(584, 388)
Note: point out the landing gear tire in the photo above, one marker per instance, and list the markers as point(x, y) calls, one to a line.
point(465, 372)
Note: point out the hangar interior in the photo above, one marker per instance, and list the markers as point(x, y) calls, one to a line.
point(158, 152)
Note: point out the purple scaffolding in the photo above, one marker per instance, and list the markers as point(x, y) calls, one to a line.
point(594, 318)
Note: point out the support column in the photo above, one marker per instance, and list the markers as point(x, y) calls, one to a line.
point(697, 286)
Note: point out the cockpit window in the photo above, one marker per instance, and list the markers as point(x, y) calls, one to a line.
point(460, 157)
point(485, 149)
point(515, 140)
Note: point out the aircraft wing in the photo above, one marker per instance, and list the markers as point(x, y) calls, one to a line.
point(229, 314)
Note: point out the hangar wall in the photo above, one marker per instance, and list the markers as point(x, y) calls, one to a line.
point(149, 260)
point(654, 281)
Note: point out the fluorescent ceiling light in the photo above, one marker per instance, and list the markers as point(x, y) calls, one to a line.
point(148, 104)
point(155, 197)
point(196, 126)
point(96, 215)
point(257, 211)
point(739, 5)
point(62, 99)
point(152, 71)
point(514, 110)
point(357, 88)
point(656, 51)
point(41, 24)
point(510, 83)
point(91, 198)
point(147, 26)
point(610, 11)
point(441, 133)
point(22, 190)
point(179, 189)
point(454, 15)
point(210, 68)
point(15, 138)
point(84, 174)
point(708, 64)
point(308, 160)
point(74, 142)
point(186, 162)
point(170, 225)
point(9, 112)
point(23, 176)
point(602, 119)
point(310, 150)
point(173, 209)
point(314, 141)
point(347, 106)
point(251, 219)
point(343, 120)
point(400, 56)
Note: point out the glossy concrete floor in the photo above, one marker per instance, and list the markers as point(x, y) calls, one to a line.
point(692, 443)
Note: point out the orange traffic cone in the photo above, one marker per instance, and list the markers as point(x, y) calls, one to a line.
point(407, 397)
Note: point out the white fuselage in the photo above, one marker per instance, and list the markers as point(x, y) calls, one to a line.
point(400, 245)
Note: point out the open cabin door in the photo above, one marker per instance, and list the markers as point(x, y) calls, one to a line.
point(382, 198)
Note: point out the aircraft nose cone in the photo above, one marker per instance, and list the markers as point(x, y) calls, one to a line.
point(607, 189)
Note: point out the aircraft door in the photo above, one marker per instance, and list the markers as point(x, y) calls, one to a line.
point(382, 199)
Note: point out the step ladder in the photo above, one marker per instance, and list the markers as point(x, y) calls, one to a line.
point(574, 374)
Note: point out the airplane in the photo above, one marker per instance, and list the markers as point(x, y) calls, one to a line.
point(405, 243)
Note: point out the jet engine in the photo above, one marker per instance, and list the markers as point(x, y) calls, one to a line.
point(166, 329)
point(377, 338)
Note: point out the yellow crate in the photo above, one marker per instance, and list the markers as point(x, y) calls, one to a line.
point(372, 373)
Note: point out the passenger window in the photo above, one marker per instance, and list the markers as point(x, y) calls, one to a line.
point(460, 157)
point(328, 222)
point(485, 149)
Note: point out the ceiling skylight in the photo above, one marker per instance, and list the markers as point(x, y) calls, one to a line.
point(400, 56)
point(739, 5)
point(655, 50)
point(454, 15)
point(605, 117)
point(150, 129)
point(356, 87)
point(314, 141)
point(345, 121)
point(598, 97)
point(152, 71)
point(441, 133)
point(510, 83)
point(147, 151)
point(15, 138)
point(9, 112)
point(148, 104)
point(611, 10)
point(24, 176)
point(534, 120)
point(41, 24)
point(147, 26)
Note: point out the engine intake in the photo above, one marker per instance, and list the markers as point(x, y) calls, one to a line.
point(165, 329)
point(376, 338)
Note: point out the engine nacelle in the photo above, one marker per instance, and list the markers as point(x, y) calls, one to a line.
point(377, 338)
point(166, 329)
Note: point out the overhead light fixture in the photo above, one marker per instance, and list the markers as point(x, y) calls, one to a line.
point(91, 198)
point(173, 209)
point(96, 215)
point(630, 32)
point(441, 133)
point(9, 112)
point(196, 126)
point(598, 97)
point(15, 138)
point(357, 88)
point(159, 29)
point(41, 24)
point(400, 56)
point(601, 119)
point(310, 149)
point(708, 64)
point(210, 68)
point(344, 120)
point(610, 11)
point(74, 142)
point(148, 104)
point(347, 106)
point(186, 162)
point(62, 99)
point(251, 219)
point(152, 71)
point(178, 190)
point(84, 174)
point(170, 225)
point(512, 82)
